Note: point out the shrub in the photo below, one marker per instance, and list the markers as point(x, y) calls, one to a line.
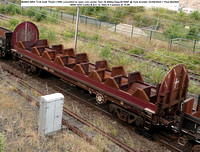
point(42, 15)
point(14, 22)
point(87, 10)
point(103, 17)
point(12, 9)
point(31, 11)
point(181, 14)
point(118, 14)
point(134, 9)
point(2, 9)
point(193, 32)
point(54, 17)
point(93, 11)
point(175, 29)
point(195, 15)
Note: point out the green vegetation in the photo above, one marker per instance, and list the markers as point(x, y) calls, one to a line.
point(123, 59)
point(195, 15)
point(92, 10)
point(31, 12)
point(193, 33)
point(189, 58)
point(53, 18)
point(157, 75)
point(41, 15)
point(136, 51)
point(194, 87)
point(13, 23)
point(175, 29)
point(106, 52)
point(10, 9)
point(1, 142)
point(49, 34)
point(68, 34)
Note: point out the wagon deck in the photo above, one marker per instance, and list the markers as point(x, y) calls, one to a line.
point(127, 91)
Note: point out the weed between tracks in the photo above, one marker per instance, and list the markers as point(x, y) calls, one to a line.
point(112, 128)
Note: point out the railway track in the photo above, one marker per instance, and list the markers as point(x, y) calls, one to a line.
point(68, 91)
point(193, 76)
point(70, 119)
point(4, 17)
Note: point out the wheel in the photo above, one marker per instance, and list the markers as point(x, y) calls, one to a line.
point(37, 71)
point(196, 148)
point(100, 98)
point(139, 122)
point(3, 54)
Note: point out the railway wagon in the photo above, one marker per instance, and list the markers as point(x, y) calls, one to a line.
point(5, 42)
point(127, 95)
point(131, 99)
point(189, 125)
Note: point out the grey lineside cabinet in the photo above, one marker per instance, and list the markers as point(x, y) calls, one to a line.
point(50, 113)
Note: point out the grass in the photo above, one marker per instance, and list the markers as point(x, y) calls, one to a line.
point(189, 58)
point(106, 52)
point(136, 51)
point(1, 141)
point(68, 34)
point(194, 87)
point(20, 119)
point(49, 34)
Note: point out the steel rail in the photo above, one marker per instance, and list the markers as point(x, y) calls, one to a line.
point(65, 110)
point(192, 73)
point(91, 105)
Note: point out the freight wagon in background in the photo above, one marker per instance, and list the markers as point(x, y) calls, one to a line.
point(5, 42)
point(127, 96)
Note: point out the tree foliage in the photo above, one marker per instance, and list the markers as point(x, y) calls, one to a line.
point(176, 30)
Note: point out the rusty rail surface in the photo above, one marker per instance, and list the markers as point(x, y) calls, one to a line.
point(165, 66)
point(4, 17)
point(74, 129)
point(77, 131)
point(163, 142)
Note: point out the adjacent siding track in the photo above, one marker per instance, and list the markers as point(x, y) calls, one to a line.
point(193, 76)
point(68, 116)
point(4, 17)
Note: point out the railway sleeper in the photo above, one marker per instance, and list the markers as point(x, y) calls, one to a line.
point(125, 115)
